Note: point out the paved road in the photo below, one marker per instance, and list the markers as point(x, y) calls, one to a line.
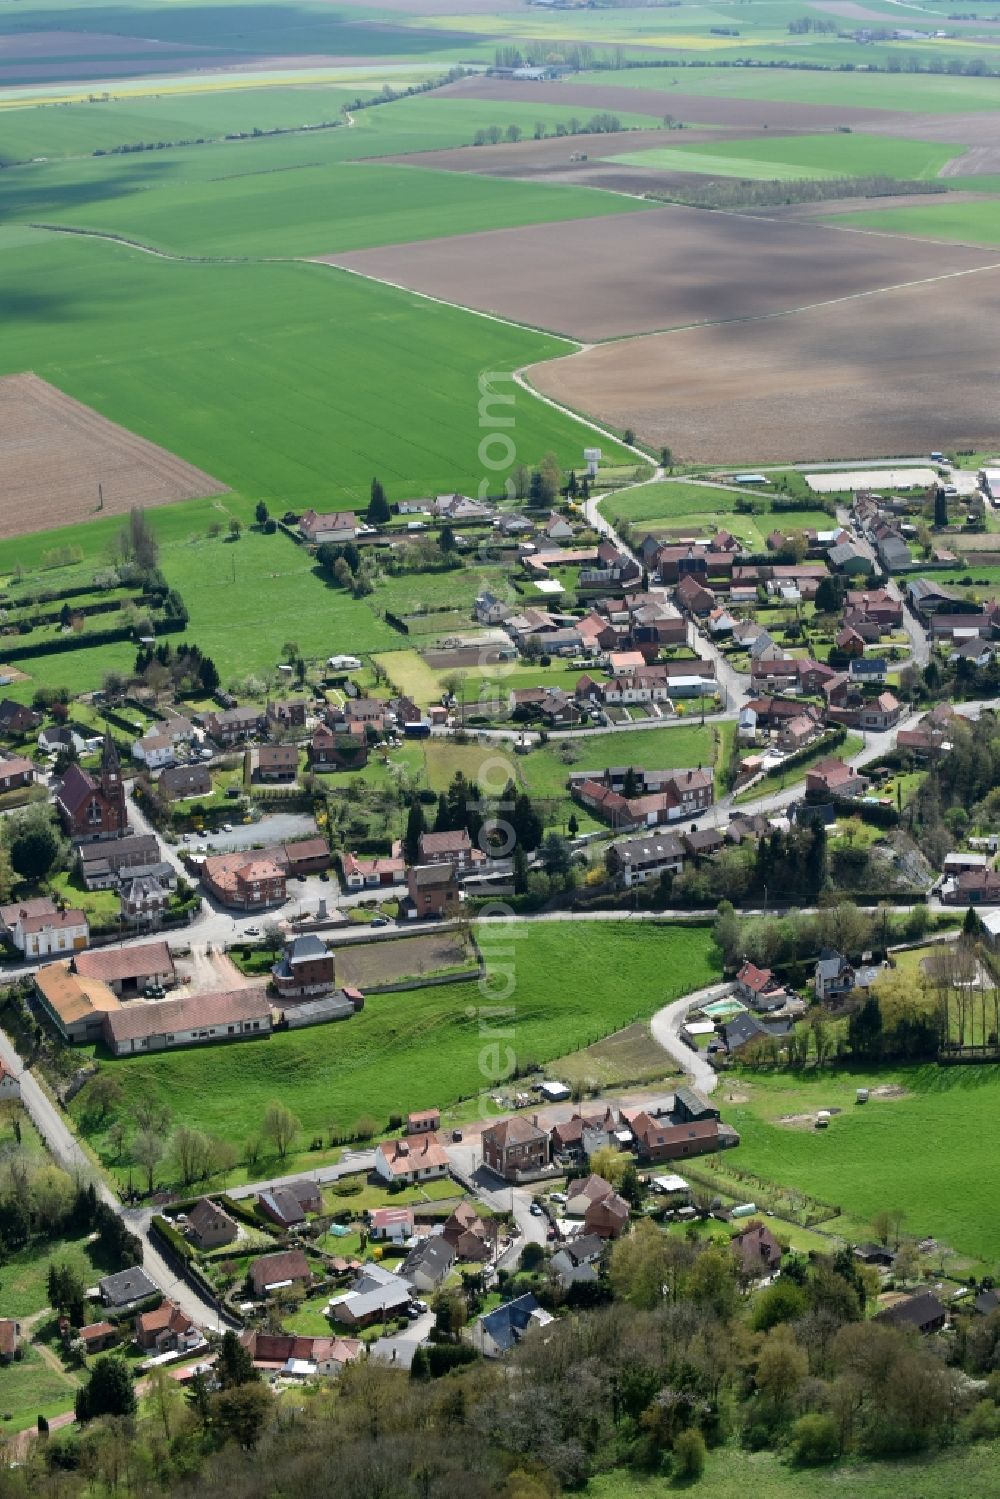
point(66, 1149)
point(400, 1348)
point(351, 1161)
point(666, 1028)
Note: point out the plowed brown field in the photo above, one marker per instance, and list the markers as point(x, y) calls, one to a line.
point(54, 452)
point(901, 372)
point(666, 268)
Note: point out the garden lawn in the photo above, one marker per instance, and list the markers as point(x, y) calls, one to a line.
point(30, 1388)
point(665, 498)
point(976, 223)
point(24, 1285)
point(422, 1048)
point(929, 1152)
point(789, 157)
point(290, 383)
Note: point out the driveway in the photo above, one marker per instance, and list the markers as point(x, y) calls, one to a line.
point(400, 1348)
point(666, 1028)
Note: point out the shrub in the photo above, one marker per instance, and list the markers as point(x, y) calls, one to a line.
point(689, 1455)
point(815, 1440)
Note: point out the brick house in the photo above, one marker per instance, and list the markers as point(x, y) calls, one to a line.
point(305, 967)
point(290, 714)
point(453, 848)
point(166, 1329)
point(515, 1147)
point(659, 1140)
point(346, 749)
point(316, 527)
point(361, 873)
point(181, 781)
point(244, 881)
point(607, 1218)
point(831, 777)
point(433, 890)
point(275, 762)
point(15, 772)
point(757, 1250)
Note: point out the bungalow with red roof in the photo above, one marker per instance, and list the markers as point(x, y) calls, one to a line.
point(316, 527)
point(166, 1329)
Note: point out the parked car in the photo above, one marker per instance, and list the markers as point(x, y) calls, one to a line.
point(535, 1210)
point(380, 921)
point(227, 827)
point(456, 1135)
point(251, 931)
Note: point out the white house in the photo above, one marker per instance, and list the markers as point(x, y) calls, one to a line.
point(155, 751)
point(10, 1086)
point(48, 933)
point(558, 528)
point(335, 525)
point(412, 1159)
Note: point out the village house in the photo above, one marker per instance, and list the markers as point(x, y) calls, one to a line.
point(246, 881)
point(101, 865)
point(125, 1288)
point(832, 777)
point(230, 1015)
point(390, 1225)
point(15, 772)
point(317, 527)
point(305, 967)
point(364, 872)
point(882, 714)
point(274, 762)
point(272, 1272)
point(92, 807)
point(637, 860)
point(923, 1312)
point(296, 1356)
point(432, 891)
point(748, 1030)
point(460, 507)
point(17, 720)
point(428, 1263)
point(154, 751)
point(344, 749)
point(757, 1251)
point(288, 1205)
point(210, 1226)
point(232, 725)
point(662, 1140)
point(515, 1148)
point(414, 1158)
point(10, 1084)
point(875, 604)
point(975, 887)
point(376, 1295)
point(869, 671)
point(575, 1263)
point(472, 1237)
point(497, 1333)
point(607, 1218)
point(97, 1336)
point(183, 781)
point(288, 713)
point(795, 733)
point(759, 988)
point(38, 928)
point(166, 1329)
point(489, 610)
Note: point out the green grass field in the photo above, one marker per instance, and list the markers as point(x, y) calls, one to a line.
point(666, 498)
point(424, 1047)
point(294, 383)
point(269, 205)
point(935, 94)
point(31, 1388)
point(928, 1152)
point(787, 158)
point(732, 1473)
point(978, 223)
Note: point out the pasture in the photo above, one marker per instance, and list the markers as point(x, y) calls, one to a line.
point(825, 383)
point(892, 1152)
point(291, 383)
point(675, 267)
point(419, 1048)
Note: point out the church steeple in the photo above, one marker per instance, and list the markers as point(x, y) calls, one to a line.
point(111, 765)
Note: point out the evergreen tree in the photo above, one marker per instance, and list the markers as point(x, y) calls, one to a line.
point(864, 1029)
point(526, 823)
point(110, 1390)
point(572, 826)
point(234, 1365)
point(378, 505)
point(520, 869)
point(442, 822)
point(416, 823)
point(940, 508)
point(261, 513)
point(446, 539)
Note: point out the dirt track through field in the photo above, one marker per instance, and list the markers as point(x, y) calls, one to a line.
point(898, 371)
point(671, 267)
point(55, 452)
